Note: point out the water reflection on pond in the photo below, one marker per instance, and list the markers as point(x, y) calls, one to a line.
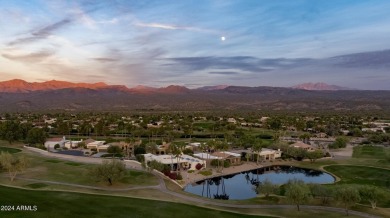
point(241, 185)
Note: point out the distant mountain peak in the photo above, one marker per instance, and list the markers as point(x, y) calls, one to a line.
point(210, 88)
point(174, 89)
point(18, 85)
point(320, 86)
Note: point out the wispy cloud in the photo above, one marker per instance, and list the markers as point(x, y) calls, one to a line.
point(224, 73)
point(244, 63)
point(105, 59)
point(176, 27)
point(41, 33)
point(29, 58)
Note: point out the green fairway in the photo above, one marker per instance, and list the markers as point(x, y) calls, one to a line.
point(361, 175)
point(9, 150)
point(368, 151)
point(78, 173)
point(36, 185)
point(64, 204)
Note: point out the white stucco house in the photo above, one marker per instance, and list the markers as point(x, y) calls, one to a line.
point(72, 144)
point(185, 161)
point(51, 142)
point(95, 144)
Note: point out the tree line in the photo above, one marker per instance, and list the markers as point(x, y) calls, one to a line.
point(298, 193)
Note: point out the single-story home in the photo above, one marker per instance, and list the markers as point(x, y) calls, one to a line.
point(102, 148)
point(95, 144)
point(206, 156)
point(51, 142)
point(233, 158)
point(303, 145)
point(185, 161)
point(162, 149)
point(270, 154)
point(72, 144)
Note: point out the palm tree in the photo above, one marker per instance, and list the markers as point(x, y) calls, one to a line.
point(223, 145)
point(257, 148)
point(177, 152)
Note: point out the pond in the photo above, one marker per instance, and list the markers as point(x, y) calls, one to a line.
point(241, 185)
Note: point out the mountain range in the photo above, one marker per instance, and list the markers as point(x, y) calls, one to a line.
point(21, 86)
point(21, 96)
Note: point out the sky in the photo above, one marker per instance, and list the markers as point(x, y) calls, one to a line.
point(197, 42)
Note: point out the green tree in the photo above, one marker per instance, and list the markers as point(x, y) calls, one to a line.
point(109, 171)
point(81, 145)
point(274, 123)
point(324, 193)
point(305, 137)
point(63, 128)
point(114, 149)
point(36, 136)
point(10, 131)
point(266, 187)
point(370, 194)
point(256, 148)
point(341, 142)
point(348, 196)
point(314, 155)
point(297, 192)
point(139, 150)
point(12, 164)
point(356, 132)
point(155, 165)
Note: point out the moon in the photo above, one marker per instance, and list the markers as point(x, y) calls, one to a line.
point(223, 38)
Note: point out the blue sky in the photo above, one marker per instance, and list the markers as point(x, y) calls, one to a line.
point(158, 43)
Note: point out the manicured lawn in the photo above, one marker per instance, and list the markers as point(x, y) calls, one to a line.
point(78, 173)
point(74, 164)
point(36, 185)
point(9, 150)
point(368, 151)
point(66, 204)
point(361, 175)
point(53, 161)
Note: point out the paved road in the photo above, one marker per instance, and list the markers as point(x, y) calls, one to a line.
point(162, 188)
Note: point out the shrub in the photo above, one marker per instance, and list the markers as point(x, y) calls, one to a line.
point(206, 173)
point(199, 166)
point(112, 155)
point(190, 171)
point(114, 149)
point(188, 151)
point(226, 164)
point(172, 176)
point(81, 145)
point(156, 165)
point(265, 136)
point(139, 150)
point(140, 158)
point(216, 163)
point(179, 177)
